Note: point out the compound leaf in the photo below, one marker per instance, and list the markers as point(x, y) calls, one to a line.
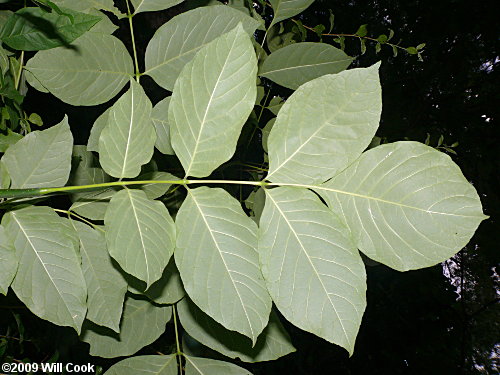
point(218, 262)
point(41, 158)
point(127, 141)
point(298, 63)
point(141, 324)
point(176, 42)
point(212, 99)
point(140, 234)
point(77, 76)
point(49, 279)
point(313, 271)
point(407, 205)
point(324, 126)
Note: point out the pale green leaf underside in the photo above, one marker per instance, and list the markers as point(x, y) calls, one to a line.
point(42, 158)
point(159, 116)
point(142, 323)
point(105, 285)
point(176, 42)
point(140, 234)
point(79, 76)
point(127, 141)
point(145, 365)
point(49, 279)
point(272, 343)
point(313, 271)
point(407, 205)
point(212, 99)
point(218, 262)
point(298, 63)
point(88, 6)
point(8, 261)
point(154, 190)
point(284, 9)
point(153, 5)
point(324, 126)
point(205, 366)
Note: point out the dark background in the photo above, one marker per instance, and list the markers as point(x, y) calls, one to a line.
point(439, 320)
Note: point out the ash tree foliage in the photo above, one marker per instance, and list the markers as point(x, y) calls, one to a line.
point(137, 246)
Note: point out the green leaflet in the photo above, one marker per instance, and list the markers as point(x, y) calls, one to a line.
point(140, 234)
point(145, 365)
point(99, 124)
point(273, 342)
point(141, 324)
point(127, 141)
point(105, 284)
point(93, 205)
point(153, 5)
point(49, 279)
point(298, 63)
point(212, 99)
point(217, 258)
point(33, 29)
point(204, 366)
point(76, 76)
point(153, 190)
point(407, 205)
point(159, 116)
point(42, 158)
point(8, 261)
point(90, 5)
point(284, 9)
point(324, 126)
point(313, 271)
point(176, 42)
point(9, 139)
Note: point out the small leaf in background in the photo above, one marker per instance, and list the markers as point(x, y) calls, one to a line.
point(33, 29)
point(318, 29)
point(127, 141)
point(412, 50)
point(141, 324)
point(341, 41)
point(391, 34)
point(42, 158)
point(140, 234)
point(362, 31)
point(362, 43)
point(93, 205)
point(420, 46)
point(378, 47)
point(284, 9)
point(300, 29)
point(35, 119)
point(9, 139)
point(331, 19)
point(394, 51)
point(382, 38)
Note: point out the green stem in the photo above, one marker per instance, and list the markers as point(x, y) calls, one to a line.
point(131, 24)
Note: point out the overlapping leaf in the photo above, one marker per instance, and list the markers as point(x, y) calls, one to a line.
point(273, 342)
point(176, 42)
point(324, 126)
point(159, 116)
point(33, 29)
point(153, 5)
point(141, 324)
point(140, 234)
point(49, 279)
point(212, 99)
point(127, 141)
point(298, 63)
point(42, 158)
point(218, 262)
point(77, 76)
point(284, 9)
point(407, 205)
point(145, 365)
point(8, 261)
point(93, 205)
point(105, 284)
point(313, 271)
point(99, 124)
